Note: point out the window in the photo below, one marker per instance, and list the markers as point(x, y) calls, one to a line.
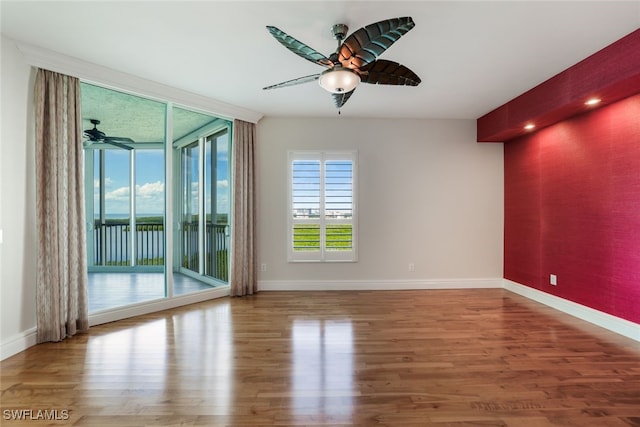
point(322, 206)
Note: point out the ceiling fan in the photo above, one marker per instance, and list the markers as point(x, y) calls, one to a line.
point(355, 60)
point(95, 135)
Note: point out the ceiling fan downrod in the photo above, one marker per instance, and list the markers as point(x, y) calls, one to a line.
point(339, 32)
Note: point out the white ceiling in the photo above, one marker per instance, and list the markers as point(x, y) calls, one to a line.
point(471, 56)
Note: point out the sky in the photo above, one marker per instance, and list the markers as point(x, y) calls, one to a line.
point(150, 186)
point(149, 182)
point(337, 182)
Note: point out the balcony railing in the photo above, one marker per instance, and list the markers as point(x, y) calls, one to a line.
point(216, 249)
point(112, 246)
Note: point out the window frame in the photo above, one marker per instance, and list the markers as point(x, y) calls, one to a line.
point(323, 254)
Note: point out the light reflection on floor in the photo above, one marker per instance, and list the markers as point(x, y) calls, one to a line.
point(151, 368)
point(111, 290)
point(204, 357)
point(322, 352)
point(111, 362)
point(189, 359)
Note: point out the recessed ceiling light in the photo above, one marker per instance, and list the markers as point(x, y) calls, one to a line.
point(593, 101)
point(529, 126)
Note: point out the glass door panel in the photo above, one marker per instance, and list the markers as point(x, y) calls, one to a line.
point(190, 161)
point(111, 208)
point(124, 197)
point(201, 145)
point(217, 205)
point(149, 207)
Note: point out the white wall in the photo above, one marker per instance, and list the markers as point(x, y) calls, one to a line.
point(17, 204)
point(428, 195)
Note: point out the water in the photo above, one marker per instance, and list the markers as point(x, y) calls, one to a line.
point(125, 216)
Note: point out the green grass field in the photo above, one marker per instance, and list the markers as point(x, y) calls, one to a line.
point(306, 237)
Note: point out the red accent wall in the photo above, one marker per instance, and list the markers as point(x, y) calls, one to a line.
point(572, 208)
point(611, 74)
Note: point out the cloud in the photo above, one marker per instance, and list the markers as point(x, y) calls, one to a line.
point(150, 197)
point(108, 182)
point(150, 190)
point(121, 193)
point(116, 201)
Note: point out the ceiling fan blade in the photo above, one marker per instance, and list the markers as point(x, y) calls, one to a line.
point(365, 45)
point(339, 99)
point(383, 72)
point(120, 139)
point(94, 134)
point(110, 141)
point(299, 48)
point(298, 81)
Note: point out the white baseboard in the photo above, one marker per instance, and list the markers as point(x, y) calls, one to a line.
point(376, 285)
point(18, 343)
point(596, 317)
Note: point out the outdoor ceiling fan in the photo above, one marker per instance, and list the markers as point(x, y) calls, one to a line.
point(355, 60)
point(95, 135)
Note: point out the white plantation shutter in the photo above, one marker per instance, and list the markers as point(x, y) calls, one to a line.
point(322, 195)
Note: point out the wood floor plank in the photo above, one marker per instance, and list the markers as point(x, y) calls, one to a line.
point(407, 358)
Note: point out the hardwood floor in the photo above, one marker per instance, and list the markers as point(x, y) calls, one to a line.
point(404, 358)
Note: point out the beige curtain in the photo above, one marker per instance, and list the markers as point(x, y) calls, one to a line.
point(61, 296)
point(243, 260)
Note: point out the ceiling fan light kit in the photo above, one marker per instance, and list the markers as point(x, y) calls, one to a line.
point(355, 60)
point(339, 80)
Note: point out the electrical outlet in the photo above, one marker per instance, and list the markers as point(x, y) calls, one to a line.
point(263, 267)
point(553, 280)
point(412, 267)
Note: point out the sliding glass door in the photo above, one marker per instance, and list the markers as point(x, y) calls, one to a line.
point(204, 213)
point(141, 154)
